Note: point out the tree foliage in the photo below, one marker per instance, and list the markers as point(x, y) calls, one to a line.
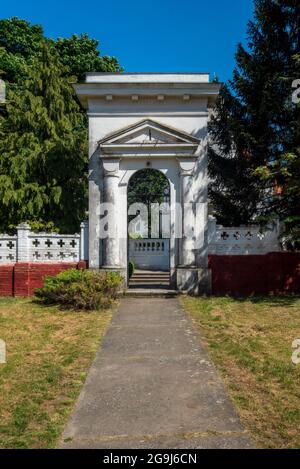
point(80, 54)
point(254, 129)
point(21, 42)
point(43, 131)
point(147, 186)
point(43, 149)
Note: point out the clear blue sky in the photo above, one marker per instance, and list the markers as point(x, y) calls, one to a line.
point(148, 35)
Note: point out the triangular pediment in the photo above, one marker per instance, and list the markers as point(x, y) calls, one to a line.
point(149, 132)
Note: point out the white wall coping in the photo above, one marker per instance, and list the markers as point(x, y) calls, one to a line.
point(99, 77)
point(33, 234)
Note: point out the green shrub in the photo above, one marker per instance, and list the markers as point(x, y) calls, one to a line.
point(37, 226)
point(131, 268)
point(80, 289)
point(133, 235)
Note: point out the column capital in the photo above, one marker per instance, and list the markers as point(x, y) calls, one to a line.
point(111, 167)
point(185, 172)
point(186, 165)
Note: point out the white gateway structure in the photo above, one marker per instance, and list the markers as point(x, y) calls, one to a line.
point(157, 121)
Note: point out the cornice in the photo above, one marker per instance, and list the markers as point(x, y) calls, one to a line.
point(110, 92)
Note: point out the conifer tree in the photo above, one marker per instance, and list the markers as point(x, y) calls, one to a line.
point(42, 129)
point(43, 148)
point(283, 171)
point(251, 127)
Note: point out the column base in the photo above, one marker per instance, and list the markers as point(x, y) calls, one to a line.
point(193, 280)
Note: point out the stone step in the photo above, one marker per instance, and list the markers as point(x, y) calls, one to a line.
point(151, 272)
point(150, 279)
point(164, 281)
point(159, 277)
point(148, 283)
point(151, 293)
point(166, 277)
point(148, 286)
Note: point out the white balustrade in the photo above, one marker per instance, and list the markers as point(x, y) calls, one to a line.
point(28, 246)
point(150, 253)
point(8, 249)
point(242, 240)
point(45, 247)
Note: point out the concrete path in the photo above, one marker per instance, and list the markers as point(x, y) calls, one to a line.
point(153, 386)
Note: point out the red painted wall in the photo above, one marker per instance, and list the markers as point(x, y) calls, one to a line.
point(272, 273)
point(277, 273)
point(6, 279)
point(22, 278)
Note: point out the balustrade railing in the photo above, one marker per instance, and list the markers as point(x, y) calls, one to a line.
point(28, 246)
point(242, 240)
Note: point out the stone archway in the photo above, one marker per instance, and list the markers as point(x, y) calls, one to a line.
point(151, 144)
point(149, 120)
point(149, 225)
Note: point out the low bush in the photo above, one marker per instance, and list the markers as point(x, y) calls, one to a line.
point(131, 267)
point(133, 235)
point(80, 289)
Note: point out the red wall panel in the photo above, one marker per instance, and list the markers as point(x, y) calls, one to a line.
point(6, 279)
point(273, 273)
point(22, 278)
point(276, 272)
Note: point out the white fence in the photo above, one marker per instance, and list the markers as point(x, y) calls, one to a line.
point(8, 249)
point(242, 240)
point(28, 246)
point(150, 253)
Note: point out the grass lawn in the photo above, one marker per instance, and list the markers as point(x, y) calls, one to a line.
point(250, 342)
point(48, 355)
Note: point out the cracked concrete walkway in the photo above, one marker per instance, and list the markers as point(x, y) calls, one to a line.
point(153, 386)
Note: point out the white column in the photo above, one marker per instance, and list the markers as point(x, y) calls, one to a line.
point(111, 188)
point(84, 241)
point(187, 248)
point(23, 231)
point(212, 232)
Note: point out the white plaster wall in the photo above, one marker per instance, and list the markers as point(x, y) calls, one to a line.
point(108, 116)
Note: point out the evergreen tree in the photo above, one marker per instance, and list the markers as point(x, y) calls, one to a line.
point(43, 132)
point(43, 148)
point(251, 127)
point(19, 43)
point(282, 173)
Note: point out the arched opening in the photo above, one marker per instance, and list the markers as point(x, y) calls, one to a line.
point(148, 199)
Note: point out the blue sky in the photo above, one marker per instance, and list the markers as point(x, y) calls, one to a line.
point(149, 35)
